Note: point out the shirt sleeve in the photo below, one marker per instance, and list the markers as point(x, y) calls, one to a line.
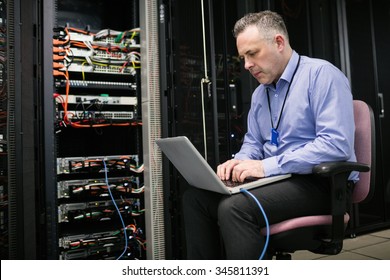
point(252, 147)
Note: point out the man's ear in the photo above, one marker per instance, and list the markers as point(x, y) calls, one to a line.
point(280, 41)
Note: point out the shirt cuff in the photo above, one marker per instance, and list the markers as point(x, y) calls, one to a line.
point(271, 167)
point(241, 156)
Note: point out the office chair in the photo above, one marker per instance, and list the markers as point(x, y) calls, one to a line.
point(324, 234)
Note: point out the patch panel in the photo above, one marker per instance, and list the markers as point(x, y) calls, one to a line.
point(101, 99)
point(96, 84)
point(96, 68)
point(98, 115)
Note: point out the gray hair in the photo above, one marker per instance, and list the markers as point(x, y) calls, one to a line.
point(268, 23)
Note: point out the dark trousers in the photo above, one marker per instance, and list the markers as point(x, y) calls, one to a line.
point(220, 226)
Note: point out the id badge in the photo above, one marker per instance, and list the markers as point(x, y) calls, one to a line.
point(274, 137)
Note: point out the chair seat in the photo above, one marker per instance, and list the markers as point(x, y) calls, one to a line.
point(300, 222)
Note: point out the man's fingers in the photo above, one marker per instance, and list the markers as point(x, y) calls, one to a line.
point(248, 168)
point(224, 170)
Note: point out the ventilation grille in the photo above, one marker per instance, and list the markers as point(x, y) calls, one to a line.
point(11, 133)
point(151, 119)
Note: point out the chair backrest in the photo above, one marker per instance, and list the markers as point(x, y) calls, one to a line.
point(364, 148)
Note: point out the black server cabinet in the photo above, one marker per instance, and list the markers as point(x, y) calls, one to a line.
point(6, 105)
point(18, 216)
point(89, 130)
point(369, 60)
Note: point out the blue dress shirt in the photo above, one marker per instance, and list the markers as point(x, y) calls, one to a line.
point(316, 125)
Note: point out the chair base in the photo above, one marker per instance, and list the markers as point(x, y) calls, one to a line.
point(281, 247)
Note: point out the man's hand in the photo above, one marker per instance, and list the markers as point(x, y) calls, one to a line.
point(225, 169)
point(240, 169)
point(248, 168)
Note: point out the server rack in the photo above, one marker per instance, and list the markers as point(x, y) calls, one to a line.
point(99, 202)
point(81, 184)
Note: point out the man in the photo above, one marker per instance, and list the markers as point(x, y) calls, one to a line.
point(301, 114)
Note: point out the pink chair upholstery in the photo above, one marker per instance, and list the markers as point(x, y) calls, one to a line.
point(364, 129)
point(324, 234)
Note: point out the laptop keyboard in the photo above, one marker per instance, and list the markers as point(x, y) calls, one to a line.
point(231, 184)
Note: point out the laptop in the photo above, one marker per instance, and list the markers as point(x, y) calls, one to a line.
point(198, 173)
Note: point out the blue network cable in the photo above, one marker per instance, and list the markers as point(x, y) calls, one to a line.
point(117, 209)
point(266, 222)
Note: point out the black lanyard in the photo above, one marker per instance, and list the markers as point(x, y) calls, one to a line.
point(274, 130)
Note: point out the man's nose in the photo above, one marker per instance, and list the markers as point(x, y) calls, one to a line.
point(248, 64)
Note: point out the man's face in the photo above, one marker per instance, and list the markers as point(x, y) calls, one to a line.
point(262, 58)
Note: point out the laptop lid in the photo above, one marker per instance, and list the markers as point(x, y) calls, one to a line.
point(197, 172)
